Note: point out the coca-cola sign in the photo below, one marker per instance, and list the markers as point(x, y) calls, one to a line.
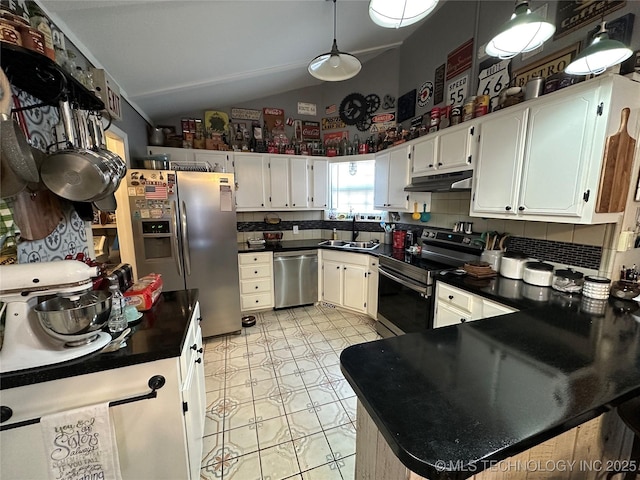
point(311, 130)
point(384, 117)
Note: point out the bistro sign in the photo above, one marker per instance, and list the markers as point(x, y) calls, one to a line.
point(554, 63)
point(571, 15)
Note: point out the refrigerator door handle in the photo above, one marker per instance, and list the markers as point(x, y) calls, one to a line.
point(176, 251)
point(185, 239)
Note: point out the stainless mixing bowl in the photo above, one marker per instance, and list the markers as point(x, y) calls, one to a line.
point(75, 320)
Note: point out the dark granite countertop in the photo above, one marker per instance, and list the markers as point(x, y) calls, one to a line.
point(452, 398)
point(159, 334)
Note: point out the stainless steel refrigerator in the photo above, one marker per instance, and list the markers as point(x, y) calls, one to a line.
point(184, 227)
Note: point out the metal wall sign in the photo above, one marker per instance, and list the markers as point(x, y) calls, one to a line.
point(549, 65)
point(332, 123)
point(307, 109)
point(438, 88)
point(493, 78)
point(425, 93)
point(460, 59)
point(109, 92)
point(310, 130)
point(245, 114)
point(572, 15)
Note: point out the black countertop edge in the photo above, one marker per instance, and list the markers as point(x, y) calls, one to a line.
point(160, 334)
point(312, 244)
point(483, 391)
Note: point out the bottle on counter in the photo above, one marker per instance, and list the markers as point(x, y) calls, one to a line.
point(117, 320)
point(335, 234)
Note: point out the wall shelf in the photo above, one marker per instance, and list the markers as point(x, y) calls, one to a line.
point(44, 79)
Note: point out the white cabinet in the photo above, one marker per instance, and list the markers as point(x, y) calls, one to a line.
point(449, 150)
point(256, 281)
point(213, 157)
point(541, 160)
point(345, 279)
point(320, 181)
point(169, 426)
point(299, 181)
point(454, 306)
point(372, 295)
point(250, 171)
point(278, 182)
point(391, 176)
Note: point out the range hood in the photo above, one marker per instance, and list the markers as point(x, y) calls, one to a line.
point(444, 182)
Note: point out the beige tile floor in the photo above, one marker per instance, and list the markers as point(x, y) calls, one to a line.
point(278, 406)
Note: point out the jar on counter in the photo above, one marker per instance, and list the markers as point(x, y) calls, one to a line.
point(434, 122)
point(596, 287)
point(568, 281)
point(481, 106)
point(456, 115)
point(538, 273)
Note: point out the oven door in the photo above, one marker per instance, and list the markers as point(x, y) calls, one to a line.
point(404, 305)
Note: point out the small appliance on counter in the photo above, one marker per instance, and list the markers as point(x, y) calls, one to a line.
point(538, 273)
point(512, 265)
point(68, 326)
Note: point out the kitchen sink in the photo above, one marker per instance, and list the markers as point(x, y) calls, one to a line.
point(343, 244)
point(334, 243)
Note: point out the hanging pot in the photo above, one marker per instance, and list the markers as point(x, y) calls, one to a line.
point(77, 174)
point(106, 204)
point(15, 148)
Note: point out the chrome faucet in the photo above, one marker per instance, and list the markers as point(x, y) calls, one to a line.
point(354, 233)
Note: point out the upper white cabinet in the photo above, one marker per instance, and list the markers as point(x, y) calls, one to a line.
point(299, 181)
point(250, 172)
point(392, 175)
point(541, 160)
point(279, 182)
point(452, 149)
point(224, 160)
point(320, 182)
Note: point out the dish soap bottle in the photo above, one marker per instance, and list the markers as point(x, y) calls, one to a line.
point(117, 320)
point(335, 234)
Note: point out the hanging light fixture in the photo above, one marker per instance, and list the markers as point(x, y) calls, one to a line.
point(600, 55)
point(399, 13)
point(335, 65)
point(523, 32)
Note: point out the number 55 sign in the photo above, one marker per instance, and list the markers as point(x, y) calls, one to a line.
point(457, 90)
point(493, 79)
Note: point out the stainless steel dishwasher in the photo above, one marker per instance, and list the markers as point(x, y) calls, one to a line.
point(296, 278)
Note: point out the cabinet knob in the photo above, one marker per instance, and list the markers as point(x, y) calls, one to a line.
point(338, 268)
point(431, 165)
point(200, 350)
point(521, 208)
point(462, 320)
point(199, 360)
point(194, 346)
point(255, 259)
point(257, 301)
point(450, 297)
point(507, 208)
point(256, 272)
point(256, 287)
point(5, 413)
point(345, 268)
point(439, 164)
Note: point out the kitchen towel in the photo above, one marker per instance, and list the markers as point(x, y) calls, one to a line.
point(80, 444)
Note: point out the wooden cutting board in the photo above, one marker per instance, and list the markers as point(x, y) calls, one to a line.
point(37, 214)
point(615, 176)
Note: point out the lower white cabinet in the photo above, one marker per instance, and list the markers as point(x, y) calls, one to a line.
point(345, 280)
point(256, 281)
point(372, 300)
point(157, 438)
point(454, 305)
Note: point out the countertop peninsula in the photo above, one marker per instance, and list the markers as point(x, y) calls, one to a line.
point(451, 400)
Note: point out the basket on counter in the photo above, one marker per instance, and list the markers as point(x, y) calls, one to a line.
point(272, 238)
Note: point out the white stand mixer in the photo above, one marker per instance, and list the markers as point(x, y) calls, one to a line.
point(26, 345)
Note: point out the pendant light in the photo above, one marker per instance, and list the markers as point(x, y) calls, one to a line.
point(523, 32)
point(335, 65)
point(399, 13)
point(600, 55)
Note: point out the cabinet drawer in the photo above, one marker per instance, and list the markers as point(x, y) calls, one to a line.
point(254, 258)
point(249, 287)
point(249, 272)
point(456, 297)
point(447, 315)
point(252, 302)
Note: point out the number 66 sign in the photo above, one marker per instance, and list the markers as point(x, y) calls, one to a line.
point(493, 79)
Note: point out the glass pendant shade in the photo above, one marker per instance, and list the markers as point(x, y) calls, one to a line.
point(523, 32)
point(399, 13)
point(334, 66)
point(600, 55)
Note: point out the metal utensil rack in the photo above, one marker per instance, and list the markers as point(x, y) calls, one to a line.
point(155, 383)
